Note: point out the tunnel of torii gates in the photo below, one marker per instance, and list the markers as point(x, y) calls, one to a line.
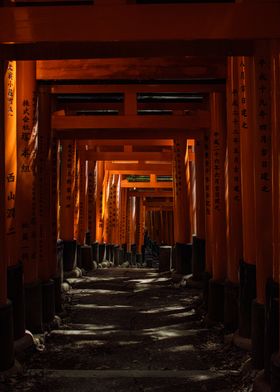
point(205, 174)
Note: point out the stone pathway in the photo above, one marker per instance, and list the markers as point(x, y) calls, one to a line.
point(133, 330)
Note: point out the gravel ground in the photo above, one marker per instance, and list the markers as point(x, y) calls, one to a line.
point(132, 330)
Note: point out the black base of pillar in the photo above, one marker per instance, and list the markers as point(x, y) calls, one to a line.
point(275, 373)
point(33, 307)
point(95, 251)
point(183, 258)
point(16, 295)
point(79, 262)
point(116, 260)
point(165, 258)
point(59, 253)
point(231, 306)
point(102, 252)
point(247, 293)
point(271, 339)
point(6, 336)
point(48, 302)
point(206, 279)
point(88, 238)
point(121, 256)
point(129, 257)
point(139, 259)
point(198, 258)
point(216, 301)
point(69, 255)
point(86, 257)
point(257, 332)
point(57, 294)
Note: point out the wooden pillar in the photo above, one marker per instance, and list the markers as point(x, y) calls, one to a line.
point(123, 216)
point(233, 197)
point(77, 193)
point(274, 316)
point(128, 223)
point(82, 199)
point(181, 198)
point(139, 220)
point(208, 203)
point(199, 188)
point(11, 252)
point(263, 196)
point(91, 199)
point(99, 200)
point(248, 265)
point(219, 251)
point(43, 181)
point(68, 158)
point(26, 159)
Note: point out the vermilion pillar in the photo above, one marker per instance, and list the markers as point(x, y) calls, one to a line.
point(263, 196)
point(26, 160)
point(6, 311)
point(91, 199)
point(181, 207)
point(198, 256)
point(208, 205)
point(67, 184)
point(10, 162)
point(233, 198)
point(123, 215)
point(219, 251)
point(247, 266)
point(274, 316)
point(139, 235)
point(82, 201)
point(77, 193)
point(99, 200)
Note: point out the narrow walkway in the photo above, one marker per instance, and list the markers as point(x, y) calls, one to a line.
point(133, 330)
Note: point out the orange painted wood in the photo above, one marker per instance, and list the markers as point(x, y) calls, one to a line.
point(208, 201)
point(246, 116)
point(263, 169)
point(195, 121)
point(128, 156)
point(174, 23)
point(43, 177)
point(82, 224)
point(275, 142)
point(11, 252)
point(199, 188)
point(132, 68)
point(181, 196)
point(134, 142)
point(148, 185)
point(3, 261)
point(99, 200)
point(26, 153)
point(68, 164)
point(91, 199)
point(218, 153)
point(136, 88)
point(233, 174)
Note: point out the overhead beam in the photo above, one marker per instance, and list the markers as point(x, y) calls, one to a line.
point(127, 156)
point(115, 28)
point(133, 142)
point(133, 68)
point(139, 168)
point(152, 134)
point(144, 185)
point(137, 88)
point(156, 193)
point(195, 121)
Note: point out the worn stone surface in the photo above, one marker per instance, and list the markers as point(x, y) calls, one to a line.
point(133, 330)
